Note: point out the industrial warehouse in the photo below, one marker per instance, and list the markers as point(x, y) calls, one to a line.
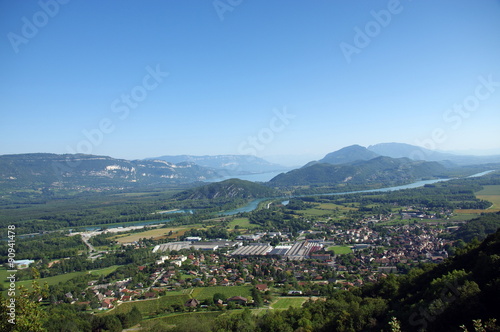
point(293, 251)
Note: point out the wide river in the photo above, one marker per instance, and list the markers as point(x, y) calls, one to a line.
point(255, 203)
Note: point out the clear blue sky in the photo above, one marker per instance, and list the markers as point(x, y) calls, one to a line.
point(338, 72)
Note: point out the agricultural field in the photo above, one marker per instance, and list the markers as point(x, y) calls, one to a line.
point(286, 302)
point(326, 210)
point(184, 319)
point(242, 223)
point(464, 215)
point(202, 293)
point(55, 279)
point(151, 307)
point(340, 250)
point(491, 194)
point(156, 234)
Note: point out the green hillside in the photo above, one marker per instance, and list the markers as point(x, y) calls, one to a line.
point(383, 170)
point(77, 171)
point(232, 188)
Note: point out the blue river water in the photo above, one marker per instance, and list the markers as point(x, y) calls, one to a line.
point(255, 203)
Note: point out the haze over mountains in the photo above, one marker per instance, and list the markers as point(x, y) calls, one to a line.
point(389, 163)
point(64, 171)
point(402, 150)
point(385, 164)
point(227, 164)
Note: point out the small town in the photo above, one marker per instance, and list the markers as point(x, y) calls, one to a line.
point(325, 256)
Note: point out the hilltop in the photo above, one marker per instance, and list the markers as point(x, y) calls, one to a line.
point(232, 188)
point(349, 154)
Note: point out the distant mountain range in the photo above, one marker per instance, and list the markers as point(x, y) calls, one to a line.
point(227, 165)
point(379, 170)
point(80, 171)
point(387, 163)
point(384, 164)
point(401, 150)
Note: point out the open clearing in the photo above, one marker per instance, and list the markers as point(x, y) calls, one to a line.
point(340, 250)
point(156, 234)
point(202, 293)
point(287, 302)
point(151, 307)
point(55, 279)
point(325, 209)
point(491, 194)
point(242, 223)
point(183, 319)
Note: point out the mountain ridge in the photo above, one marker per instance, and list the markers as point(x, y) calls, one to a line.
point(382, 169)
point(226, 164)
point(399, 150)
point(93, 171)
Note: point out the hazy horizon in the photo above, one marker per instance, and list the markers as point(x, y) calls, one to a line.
point(133, 80)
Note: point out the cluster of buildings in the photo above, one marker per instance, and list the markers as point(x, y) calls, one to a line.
point(296, 251)
point(196, 245)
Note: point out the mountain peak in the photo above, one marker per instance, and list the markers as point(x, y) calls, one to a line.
point(349, 154)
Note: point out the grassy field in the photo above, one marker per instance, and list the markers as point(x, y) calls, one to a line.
point(202, 293)
point(286, 302)
point(242, 223)
point(156, 233)
point(340, 250)
point(55, 279)
point(151, 307)
point(491, 194)
point(186, 319)
point(464, 215)
point(325, 209)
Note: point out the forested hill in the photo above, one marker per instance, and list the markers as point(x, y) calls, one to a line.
point(465, 287)
point(45, 170)
point(478, 227)
point(232, 188)
point(383, 170)
point(349, 154)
